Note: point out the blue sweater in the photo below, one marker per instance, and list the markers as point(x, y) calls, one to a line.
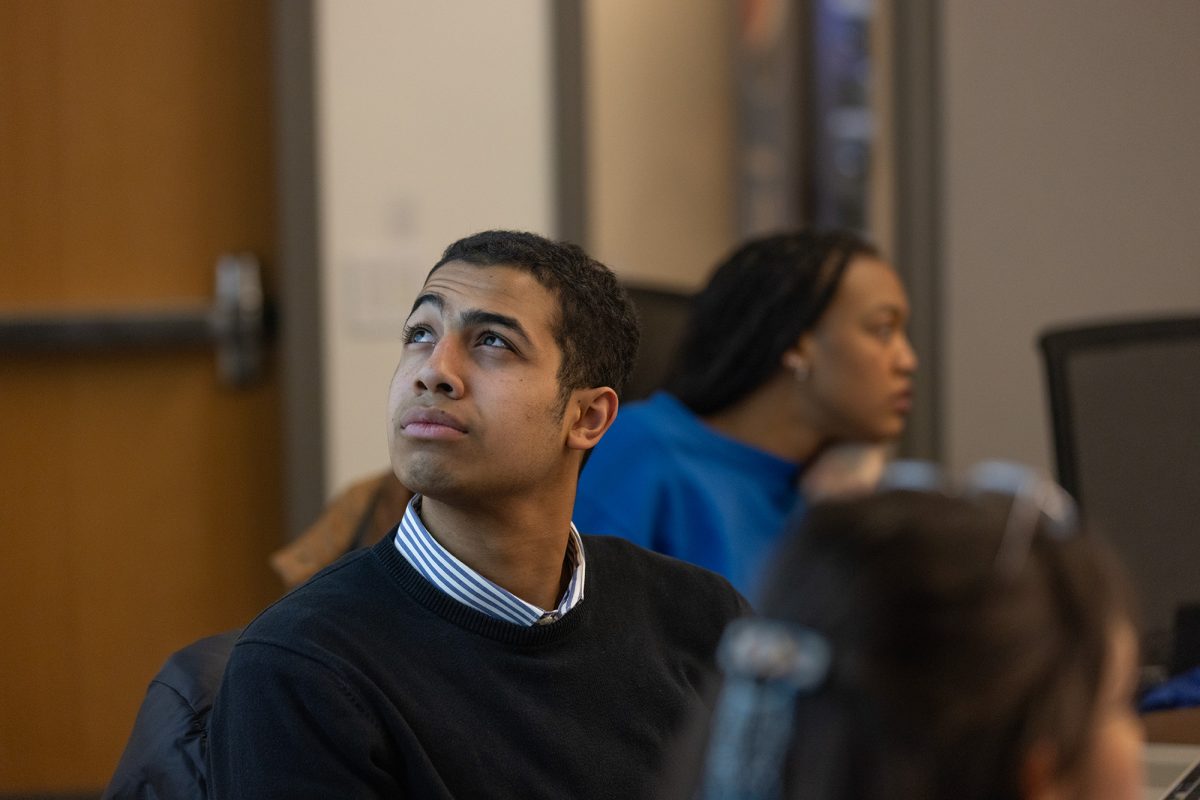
point(663, 479)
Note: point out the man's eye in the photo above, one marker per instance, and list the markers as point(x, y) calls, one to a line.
point(492, 340)
point(417, 334)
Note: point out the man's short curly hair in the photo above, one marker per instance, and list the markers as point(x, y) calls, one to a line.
point(597, 327)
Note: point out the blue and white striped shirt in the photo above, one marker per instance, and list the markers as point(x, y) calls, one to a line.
point(438, 566)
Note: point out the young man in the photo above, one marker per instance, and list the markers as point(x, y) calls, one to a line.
point(484, 649)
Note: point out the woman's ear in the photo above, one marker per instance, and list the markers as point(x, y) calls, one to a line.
point(595, 409)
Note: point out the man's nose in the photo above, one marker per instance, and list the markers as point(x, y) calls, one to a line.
point(441, 372)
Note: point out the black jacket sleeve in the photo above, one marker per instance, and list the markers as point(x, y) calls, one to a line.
point(165, 757)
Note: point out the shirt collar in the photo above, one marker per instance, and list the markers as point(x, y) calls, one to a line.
point(441, 568)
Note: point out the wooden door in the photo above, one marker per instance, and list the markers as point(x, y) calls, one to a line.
point(139, 497)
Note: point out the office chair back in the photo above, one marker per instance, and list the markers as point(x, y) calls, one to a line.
point(664, 315)
point(1125, 413)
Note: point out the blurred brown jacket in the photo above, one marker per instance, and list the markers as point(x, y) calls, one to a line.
point(359, 516)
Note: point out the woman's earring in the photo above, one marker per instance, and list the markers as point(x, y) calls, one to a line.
point(798, 365)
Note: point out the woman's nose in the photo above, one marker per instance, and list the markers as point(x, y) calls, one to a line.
point(907, 359)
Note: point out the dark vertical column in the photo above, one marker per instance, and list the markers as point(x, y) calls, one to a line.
point(300, 351)
point(918, 208)
point(769, 98)
point(570, 120)
point(838, 120)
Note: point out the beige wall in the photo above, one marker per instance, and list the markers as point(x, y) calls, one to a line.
point(1071, 191)
point(659, 135)
point(433, 122)
point(1070, 179)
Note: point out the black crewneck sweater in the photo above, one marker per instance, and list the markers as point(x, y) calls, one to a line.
point(369, 682)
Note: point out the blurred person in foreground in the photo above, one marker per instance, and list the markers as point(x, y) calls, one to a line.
point(917, 644)
point(484, 648)
point(794, 369)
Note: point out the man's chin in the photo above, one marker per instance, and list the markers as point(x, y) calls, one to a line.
point(428, 477)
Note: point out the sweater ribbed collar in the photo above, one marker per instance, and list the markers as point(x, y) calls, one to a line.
point(465, 617)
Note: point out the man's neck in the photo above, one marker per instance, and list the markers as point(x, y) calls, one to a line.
point(520, 546)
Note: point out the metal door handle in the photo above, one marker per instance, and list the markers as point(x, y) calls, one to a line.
point(237, 322)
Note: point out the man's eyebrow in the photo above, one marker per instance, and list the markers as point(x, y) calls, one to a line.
point(476, 316)
point(433, 298)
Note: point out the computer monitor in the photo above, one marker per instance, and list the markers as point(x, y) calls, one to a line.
point(1125, 409)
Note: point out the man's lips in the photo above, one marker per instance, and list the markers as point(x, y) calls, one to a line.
point(431, 423)
point(902, 401)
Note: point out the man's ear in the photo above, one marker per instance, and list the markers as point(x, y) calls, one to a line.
point(594, 410)
point(1041, 778)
